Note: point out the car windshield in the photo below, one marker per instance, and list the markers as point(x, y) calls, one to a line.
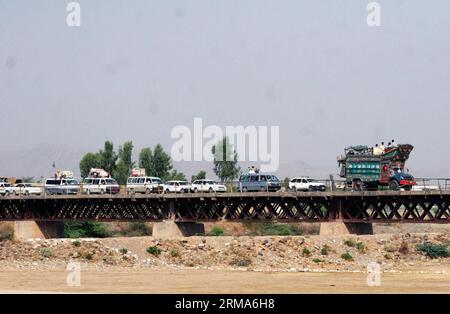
point(111, 181)
point(72, 182)
point(27, 185)
point(310, 180)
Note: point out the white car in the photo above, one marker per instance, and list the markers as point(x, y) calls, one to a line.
point(306, 184)
point(100, 186)
point(205, 185)
point(5, 188)
point(25, 189)
point(175, 186)
point(144, 185)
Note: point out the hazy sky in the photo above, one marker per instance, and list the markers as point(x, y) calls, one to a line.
point(135, 69)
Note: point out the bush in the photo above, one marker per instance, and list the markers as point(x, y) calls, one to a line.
point(154, 250)
point(6, 232)
point(404, 248)
point(245, 262)
point(434, 250)
point(346, 256)
point(317, 260)
point(136, 229)
point(45, 252)
point(325, 250)
point(360, 247)
point(216, 231)
point(76, 243)
point(123, 251)
point(306, 252)
point(277, 229)
point(350, 242)
point(174, 253)
point(85, 230)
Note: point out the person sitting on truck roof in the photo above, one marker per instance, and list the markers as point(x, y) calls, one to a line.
point(382, 147)
point(393, 143)
point(377, 150)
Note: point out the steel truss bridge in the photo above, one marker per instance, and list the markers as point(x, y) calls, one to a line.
point(375, 206)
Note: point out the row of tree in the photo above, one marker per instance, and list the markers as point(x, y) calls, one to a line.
point(157, 162)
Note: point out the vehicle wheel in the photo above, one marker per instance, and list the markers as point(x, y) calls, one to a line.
point(211, 190)
point(262, 189)
point(27, 193)
point(102, 191)
point(195, 190)
point(7, 193)
point(393, 185)
point(310, 188)
point(407, 187)
point(167, 191)
point(244, 189)
point(147, 191)
point(293, 189)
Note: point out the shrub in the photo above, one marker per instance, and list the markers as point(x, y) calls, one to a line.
point(85, 230)
point(346, 256)
point(306, 252)
point(434, 250)
point(76, 243)
point(88, 255)
point(6, 232)
point(123, 251)
point(404, 248)
point(216, 231)
point(317, 260)
point(325, 250)
point(350, 242)
point(277, 229)
point(136, 229)
point(245, 262)
point(154, 250)
point(360, 247)
point(46, 252)
point(174, 253)
point(390, 248)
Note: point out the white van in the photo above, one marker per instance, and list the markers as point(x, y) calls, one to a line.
point(144, 185)
point(100, 186)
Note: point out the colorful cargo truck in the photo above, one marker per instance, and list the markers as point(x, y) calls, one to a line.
point(364, 170)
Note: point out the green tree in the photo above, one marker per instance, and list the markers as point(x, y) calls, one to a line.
point(286, 183)
point(28, 180)
point(225, 160)
point(90, 160)
point(124, 164)
point(161, 163)
point(145, 160)
point(200, 175)
point(175, 175)
point(109, 157)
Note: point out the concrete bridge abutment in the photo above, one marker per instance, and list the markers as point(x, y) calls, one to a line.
point(24, 230)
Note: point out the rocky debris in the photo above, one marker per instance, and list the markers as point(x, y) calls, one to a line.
point(272, 253)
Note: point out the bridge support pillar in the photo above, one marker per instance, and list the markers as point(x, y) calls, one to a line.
point(171, 229)
point(24, 230)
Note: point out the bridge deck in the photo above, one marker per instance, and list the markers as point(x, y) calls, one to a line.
point(367, 206)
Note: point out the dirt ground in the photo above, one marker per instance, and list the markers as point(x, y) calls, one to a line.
point(208, 281)
point(227, 264)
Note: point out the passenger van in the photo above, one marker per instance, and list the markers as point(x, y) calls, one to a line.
point(258, 182)
point(61, 186)
point(144, 185)
point(100, 186)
